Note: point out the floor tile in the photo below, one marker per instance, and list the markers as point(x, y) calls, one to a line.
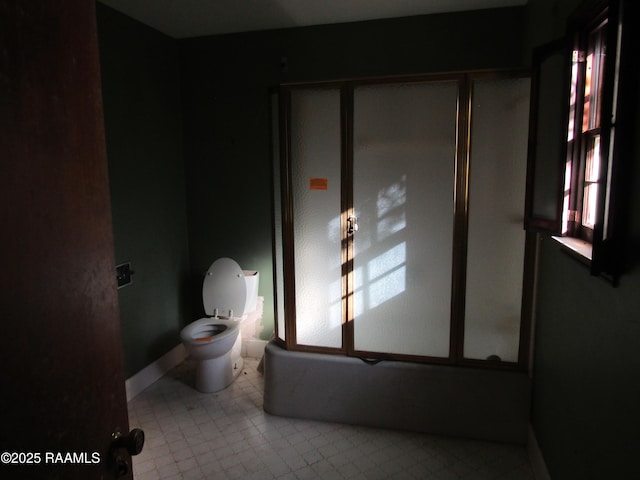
point(227, 435)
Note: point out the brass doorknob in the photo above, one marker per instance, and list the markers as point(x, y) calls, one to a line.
point(132, 443)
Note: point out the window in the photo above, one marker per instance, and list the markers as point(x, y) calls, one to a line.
point(583, 165)
point(581, 131)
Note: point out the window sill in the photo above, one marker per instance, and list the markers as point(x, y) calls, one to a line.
point(576, 247)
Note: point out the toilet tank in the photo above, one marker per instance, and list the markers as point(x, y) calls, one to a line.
point(252, 279)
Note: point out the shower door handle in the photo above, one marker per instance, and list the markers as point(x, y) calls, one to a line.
point(352, 224)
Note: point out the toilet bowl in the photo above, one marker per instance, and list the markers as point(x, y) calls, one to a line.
point(214, 341)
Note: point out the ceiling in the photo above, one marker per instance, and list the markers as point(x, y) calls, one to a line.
point(194, 18)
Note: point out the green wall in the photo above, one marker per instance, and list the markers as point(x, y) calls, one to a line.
point(586, 393)
point(140, 84)
point(225, 85)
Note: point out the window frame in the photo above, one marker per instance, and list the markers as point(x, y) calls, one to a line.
point(579, 150)
point(602, 247)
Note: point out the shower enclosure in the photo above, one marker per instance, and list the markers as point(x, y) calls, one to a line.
point(398, 212)
point(400, 255)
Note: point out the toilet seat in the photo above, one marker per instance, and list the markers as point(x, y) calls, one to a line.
point(224, 290)
point(199, 331)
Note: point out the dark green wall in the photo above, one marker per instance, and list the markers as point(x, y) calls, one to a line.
point(225, 85)
point(140, 83)
point(586, 391)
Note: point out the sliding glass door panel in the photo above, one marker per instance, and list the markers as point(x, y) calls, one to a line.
point(404, 152)
point(495, 249)
point(278, 249)
point(315, 177)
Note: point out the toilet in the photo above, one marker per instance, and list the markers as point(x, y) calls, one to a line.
point(215, 342)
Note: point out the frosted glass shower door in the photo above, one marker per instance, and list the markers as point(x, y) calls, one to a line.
point(404, 154)
point(315, 179)
point(496, 240)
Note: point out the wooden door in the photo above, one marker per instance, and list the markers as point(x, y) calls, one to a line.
point(61, 363)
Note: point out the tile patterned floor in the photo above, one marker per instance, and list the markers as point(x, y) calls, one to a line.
point(227, 435)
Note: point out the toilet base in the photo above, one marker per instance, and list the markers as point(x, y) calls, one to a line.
point(216, 374)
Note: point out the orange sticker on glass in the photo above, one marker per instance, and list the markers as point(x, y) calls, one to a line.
point(318, 183)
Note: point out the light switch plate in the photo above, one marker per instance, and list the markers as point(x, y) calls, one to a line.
point(124, 274)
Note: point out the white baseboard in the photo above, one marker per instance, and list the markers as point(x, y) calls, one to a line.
point(151, 373)
point(538, 464)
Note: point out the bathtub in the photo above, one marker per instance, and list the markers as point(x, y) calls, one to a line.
point(464, 402)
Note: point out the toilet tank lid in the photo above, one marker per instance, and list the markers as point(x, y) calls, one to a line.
point(224, 288)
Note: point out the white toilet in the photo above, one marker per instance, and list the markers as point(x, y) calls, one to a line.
point(228, 294)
